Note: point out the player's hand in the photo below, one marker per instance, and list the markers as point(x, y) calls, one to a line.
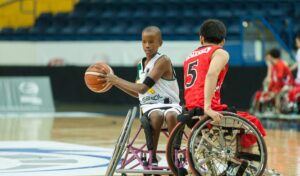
point(111, 78)
point(216, 116)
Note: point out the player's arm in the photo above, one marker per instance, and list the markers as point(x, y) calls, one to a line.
point(271, 85)
point(268, 76)
point(281, 72)
point(129, 92)
point(294, 66)
point(158, 70)
point(218, 62)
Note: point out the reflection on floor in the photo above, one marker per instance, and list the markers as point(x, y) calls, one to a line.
point(283, 145)
point(38, 158)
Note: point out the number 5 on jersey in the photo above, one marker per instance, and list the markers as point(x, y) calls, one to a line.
point(191, 72)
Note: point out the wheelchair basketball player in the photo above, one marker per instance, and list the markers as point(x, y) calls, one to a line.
point(156, 86)
point(204, 72)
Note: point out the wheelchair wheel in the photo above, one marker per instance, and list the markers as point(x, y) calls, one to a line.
point(176, 150)
point(214, 148)
point(122, 140)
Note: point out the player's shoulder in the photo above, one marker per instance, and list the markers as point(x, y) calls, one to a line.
point(222, 52)
point(285, 63)
point(164, 59)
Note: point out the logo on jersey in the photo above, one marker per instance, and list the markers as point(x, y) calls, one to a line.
point(155, 98)
point(152, 91)
point(198, 52)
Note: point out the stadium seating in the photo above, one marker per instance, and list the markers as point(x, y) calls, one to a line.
point(112, 19)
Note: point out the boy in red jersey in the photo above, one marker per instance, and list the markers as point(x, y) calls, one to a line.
point(281, 80)
point(204, 73)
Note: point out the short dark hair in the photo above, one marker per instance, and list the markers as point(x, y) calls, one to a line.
point(154, 29)
point(213, 31)
point(275, 53)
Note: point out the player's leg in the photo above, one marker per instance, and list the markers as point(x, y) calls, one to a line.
point(256, 101)
point(171, 118)
point(277, 104)
point(248, 140)
point(156, 121)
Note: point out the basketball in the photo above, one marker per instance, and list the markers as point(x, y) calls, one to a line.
point(94, 79)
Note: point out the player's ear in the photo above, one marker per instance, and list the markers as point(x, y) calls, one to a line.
point(201, 40)
point(160, 42)
point(223, 42)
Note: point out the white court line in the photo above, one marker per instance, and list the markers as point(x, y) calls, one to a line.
point(43, 158)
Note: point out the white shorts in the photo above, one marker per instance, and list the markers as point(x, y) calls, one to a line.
point(146, 108)
point(165, 111)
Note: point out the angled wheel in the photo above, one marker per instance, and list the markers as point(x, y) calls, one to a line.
point(121, 142)
point(176, 149)
point(214, 148)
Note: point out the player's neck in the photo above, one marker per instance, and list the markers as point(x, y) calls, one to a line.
point(275, 61)
point(208, 44)
point(149, 57)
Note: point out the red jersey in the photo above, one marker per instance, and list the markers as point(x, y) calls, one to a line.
point(195, 69)
point(280, 76)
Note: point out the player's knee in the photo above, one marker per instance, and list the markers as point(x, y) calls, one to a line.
point(156, 119)
point(156, 115)
point(171, 117)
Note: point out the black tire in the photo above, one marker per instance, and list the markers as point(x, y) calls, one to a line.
point(174, 141)
point(122, 140)
point(206, 125)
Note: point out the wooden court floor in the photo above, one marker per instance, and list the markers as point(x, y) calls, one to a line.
point(283, 146)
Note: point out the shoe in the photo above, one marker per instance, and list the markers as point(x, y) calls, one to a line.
point(154, 161)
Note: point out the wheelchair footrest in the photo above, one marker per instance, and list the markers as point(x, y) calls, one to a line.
point(182, 172)
point(162, 172)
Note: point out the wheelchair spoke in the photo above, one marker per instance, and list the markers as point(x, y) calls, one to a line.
point(206, 138)
point(216, 145)
point(221, 138)
point(219, 166)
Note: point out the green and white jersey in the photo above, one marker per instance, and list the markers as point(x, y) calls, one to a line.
point(164, 93)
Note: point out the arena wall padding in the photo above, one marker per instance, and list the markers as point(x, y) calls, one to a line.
point(68, 84)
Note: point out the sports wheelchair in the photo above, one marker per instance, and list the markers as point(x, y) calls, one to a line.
point(267, 104)
point(290, 106)
point(208, 149)
point(215, 148)
point(136, 159)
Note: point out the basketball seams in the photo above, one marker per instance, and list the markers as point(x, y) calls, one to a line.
point(94, 73)
point(94, 77)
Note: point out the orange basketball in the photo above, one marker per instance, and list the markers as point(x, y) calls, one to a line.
point(94, 79)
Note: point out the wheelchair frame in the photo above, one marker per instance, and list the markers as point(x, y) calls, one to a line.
point(134, 156)
point(176, 164)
